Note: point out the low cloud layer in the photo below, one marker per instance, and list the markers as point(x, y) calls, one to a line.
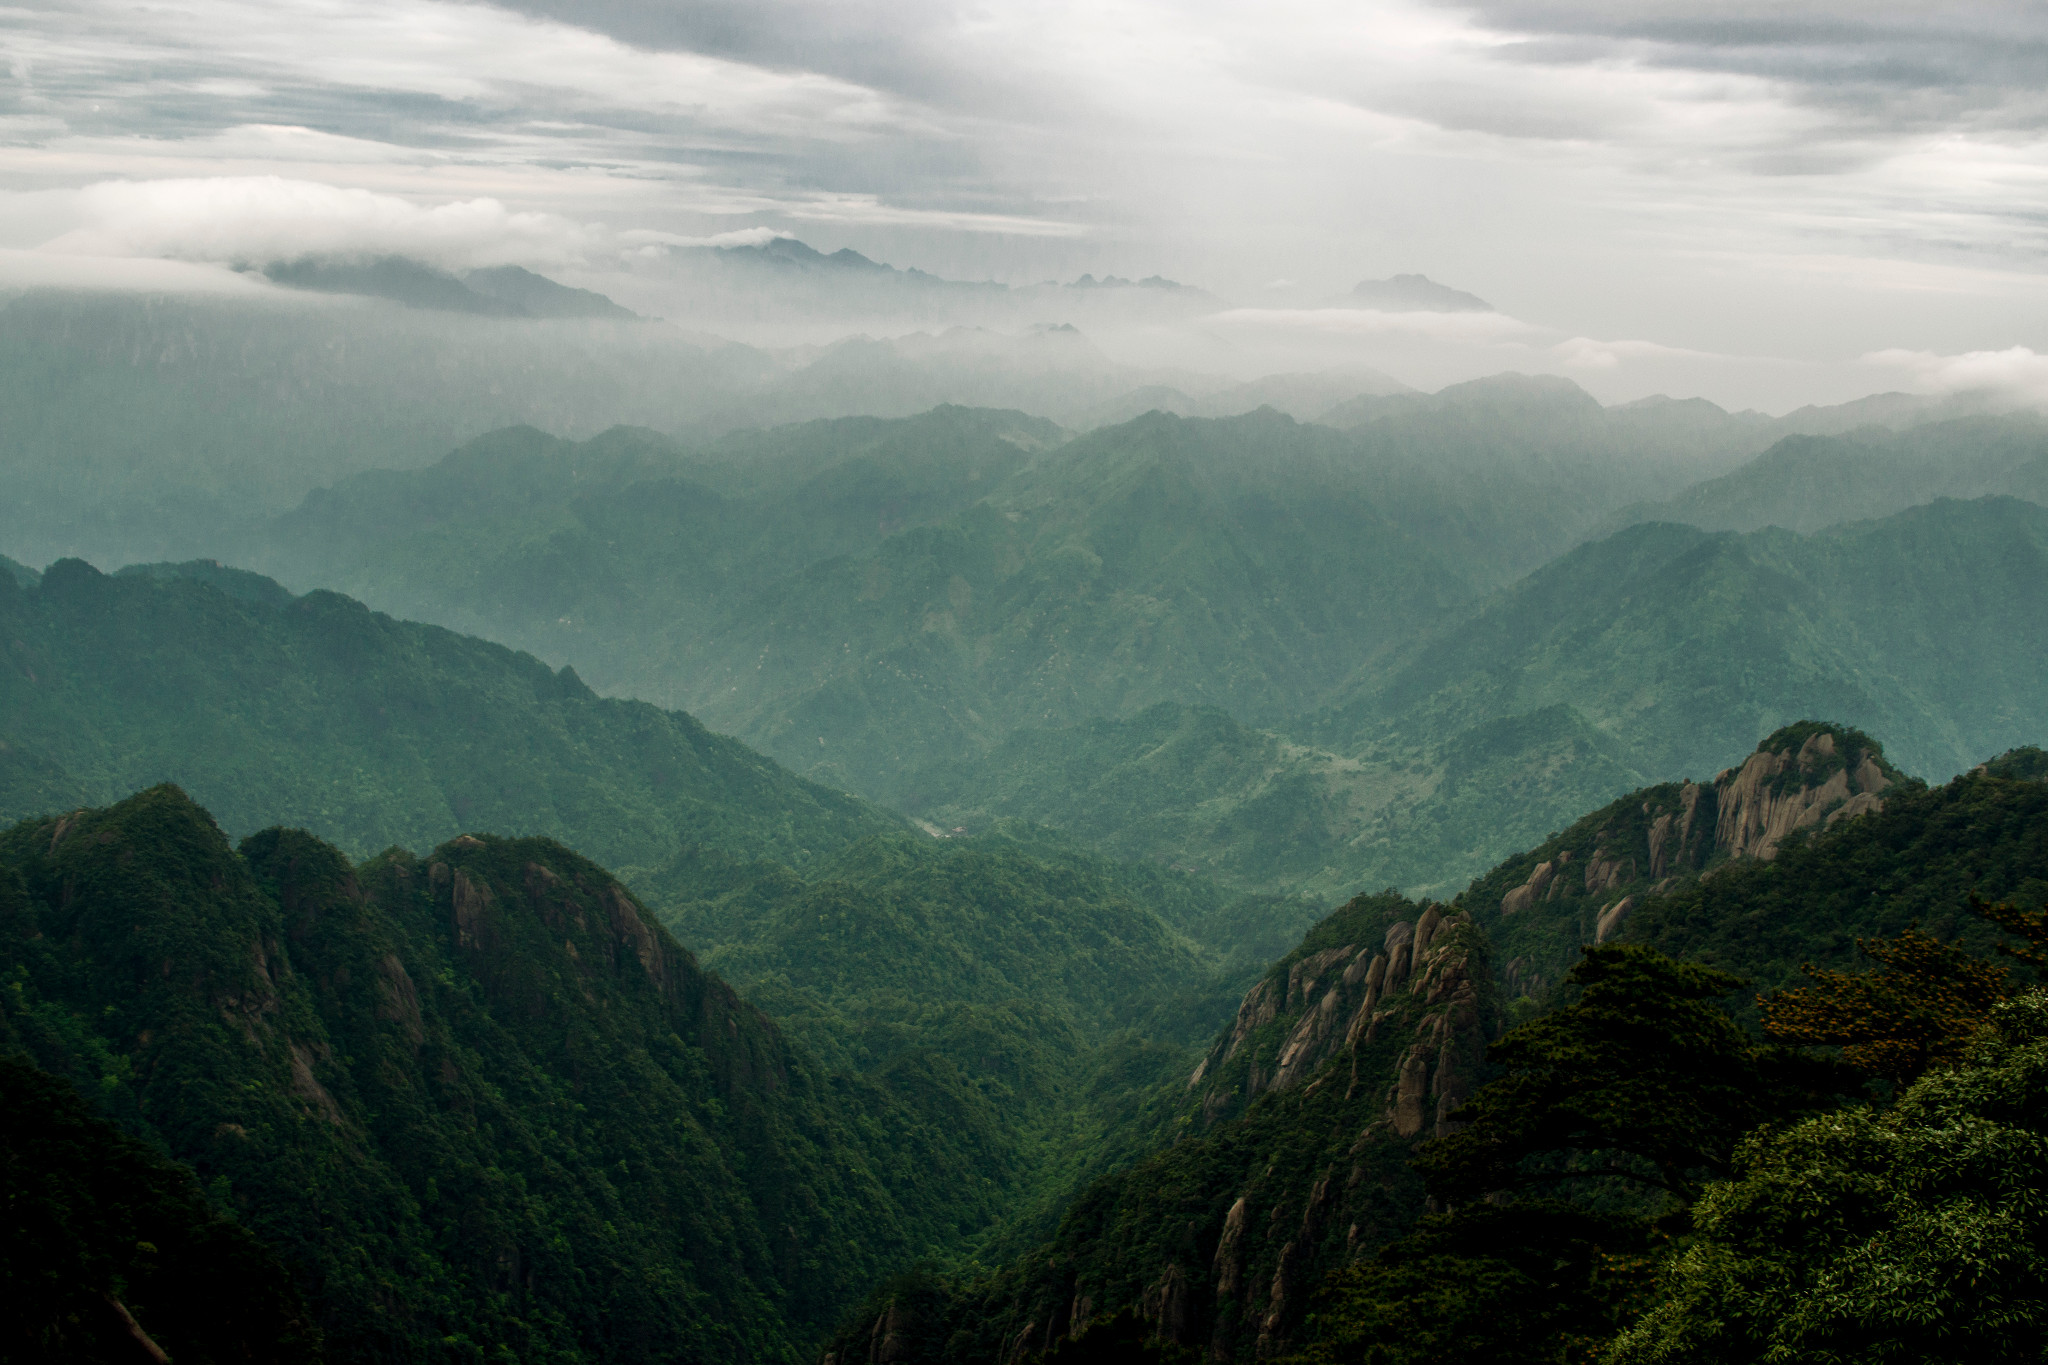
point(2016, 374)
point(1813, 182)
point(260, 219)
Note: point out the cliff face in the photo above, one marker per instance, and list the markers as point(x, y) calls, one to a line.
point(1582, 885)
point(477, 1097)
point(1335, 1000)
point(1299, 1124)
point(1777, 791)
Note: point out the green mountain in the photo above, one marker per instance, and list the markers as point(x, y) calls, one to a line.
point(864, 600)
point(999, 1011)
point(1655, 652)
point(1675, 642)
point(1296, 1129)
point(366, 730)
point(1811, 482)
point(1189, 787)
point(1291, 657)
point(109, 1252)
point(1219, 1240)
point(476, 1102)
point(1036, 999)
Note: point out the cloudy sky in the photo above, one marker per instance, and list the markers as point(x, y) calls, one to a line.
point(1813, 182)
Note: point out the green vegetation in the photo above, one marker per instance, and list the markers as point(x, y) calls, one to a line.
point(1917, 861)
point(1911, 1233)
point(1811, 482)
point(1041, 1002)
point(1643, 1080)
point(477, 1101)
point(105, 1245)
point(367, 731)
point(1291, 657)
point(1590, 1168)
point(1219, 1239)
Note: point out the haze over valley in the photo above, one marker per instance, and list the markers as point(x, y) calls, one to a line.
point(849, 683)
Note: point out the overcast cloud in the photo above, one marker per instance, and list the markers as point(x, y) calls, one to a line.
point(1814, 182)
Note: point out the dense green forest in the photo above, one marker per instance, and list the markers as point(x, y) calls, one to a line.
point(476, 1101)
point(1291, 656)
point(1661, 1181)
point(861, 888)
point(481, 1096)
point(371, 732)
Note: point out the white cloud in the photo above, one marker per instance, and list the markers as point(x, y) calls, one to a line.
point(753, 236)
point(52, 270)
point(2018, 373)
point(1370, 322)
point(259, 219)
point(1586, 353)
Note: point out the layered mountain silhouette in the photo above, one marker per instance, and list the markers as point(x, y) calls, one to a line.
point(496, 291)
point(1415, 294)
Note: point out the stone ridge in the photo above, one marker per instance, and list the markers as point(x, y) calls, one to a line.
point(1337, 1000)
point(1759, 806)
point(1307, 1110)
point(1582, 886)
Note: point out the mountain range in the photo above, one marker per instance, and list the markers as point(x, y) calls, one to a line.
point(1292, 656)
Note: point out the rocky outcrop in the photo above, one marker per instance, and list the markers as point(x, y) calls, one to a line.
point(1777, 791)
point(1332, 1001)
point(1611, 918)
point(1585, 884)
point(1542, 879)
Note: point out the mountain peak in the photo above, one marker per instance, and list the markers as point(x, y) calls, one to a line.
point(1416, 294)
point(507, 291)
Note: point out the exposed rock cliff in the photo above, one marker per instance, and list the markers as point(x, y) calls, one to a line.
point(1301, 1118)
point(1582, 885)
point(1777, 791)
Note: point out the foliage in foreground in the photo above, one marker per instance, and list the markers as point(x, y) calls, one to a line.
point(1913, 1235)
point(107, 1249)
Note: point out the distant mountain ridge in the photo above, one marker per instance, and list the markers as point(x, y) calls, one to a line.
point(1416, 294)
point(370, 731)
point(1292, 1159)
point(894, 606)
point(1809, 482)
point(497, 291)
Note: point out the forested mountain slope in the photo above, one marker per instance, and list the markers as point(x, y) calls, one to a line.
point(1298, 1126)
point(1032, 998)
point(1660, 651)
point(1811, 482)
point(107, 1247)
point(473, 1101)
point(908, 592)
point(1288, 656)
point(1673, 641)
point(369, 731)
point(1219, 1241)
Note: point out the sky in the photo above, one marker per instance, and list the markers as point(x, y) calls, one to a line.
point(1757, 201)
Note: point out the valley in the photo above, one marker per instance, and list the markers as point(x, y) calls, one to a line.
point(956, 887)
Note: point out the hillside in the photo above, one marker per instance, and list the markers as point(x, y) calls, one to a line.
point(1291, 1165)
point(366, 730)
point(106, 1246)
point(1220, 1240)
point(909, 592)
point(1293, 658)
point(1811, 482)
point(1036, 1001)
point(1658, 652)
point(480, 1097)
point(1189, 787)
point(1675, 643)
